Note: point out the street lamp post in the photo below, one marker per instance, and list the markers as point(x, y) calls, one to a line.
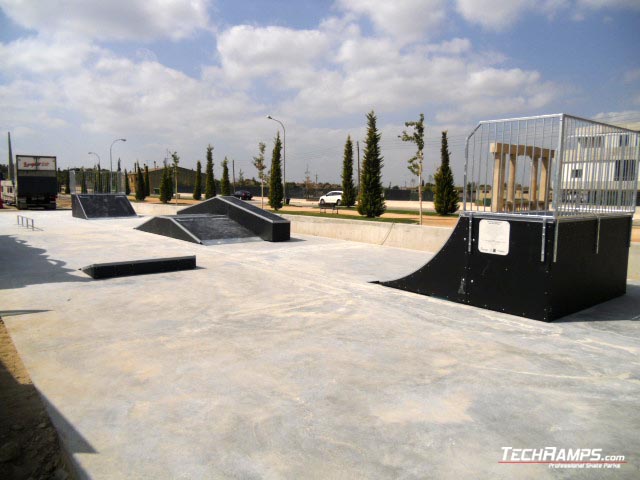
point(111, 161)
point(284, 158)
point(94, 153)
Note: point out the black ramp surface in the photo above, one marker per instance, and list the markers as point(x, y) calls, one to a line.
point(444, 275)
point(168, 227)
point(90, 206)
point(213, 227)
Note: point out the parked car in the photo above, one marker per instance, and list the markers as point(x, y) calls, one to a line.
point(243, 195)
point(332, 197)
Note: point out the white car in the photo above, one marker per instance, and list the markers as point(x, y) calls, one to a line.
point(332, 197)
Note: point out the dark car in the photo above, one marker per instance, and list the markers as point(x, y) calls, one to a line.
point(243, 195)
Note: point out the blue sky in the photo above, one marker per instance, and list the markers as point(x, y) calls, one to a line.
point(179, 75)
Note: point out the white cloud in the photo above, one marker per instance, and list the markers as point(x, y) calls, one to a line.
point(455, 46)
point(499, 15)
point(448, 77)
point(112, 19)
point(248, 52)
point(492, 14)
point(148, 97)
point(45, 54)
point(626, 118)
point(404, 20)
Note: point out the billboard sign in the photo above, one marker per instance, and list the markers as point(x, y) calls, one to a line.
point(26, 162)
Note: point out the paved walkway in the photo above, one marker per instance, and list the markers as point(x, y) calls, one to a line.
point(282, 361)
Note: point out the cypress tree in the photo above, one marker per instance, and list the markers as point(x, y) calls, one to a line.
point(99, 180)
point(210, 183)
point(67, 187)
point(165, 184)
point(348, 188)
point(225, 187)
point(445, 198)
point(127, 185)
point(147, 184)
point(139, 184)
point(275, 180)
point(197, 189)
point(83, 182)
point(371, 195)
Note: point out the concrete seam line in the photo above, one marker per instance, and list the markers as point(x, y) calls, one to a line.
point(388, 233)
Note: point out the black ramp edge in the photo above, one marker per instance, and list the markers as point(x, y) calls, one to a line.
point(581, 277)
point(139, 267)
point(443, 275)
point(76, 208)
point(168, 227)
point(104, 205)
point(212, 227)
point(266, 225)
point(589, 267)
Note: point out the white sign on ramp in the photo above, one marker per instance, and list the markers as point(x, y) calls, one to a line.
point(493, 237)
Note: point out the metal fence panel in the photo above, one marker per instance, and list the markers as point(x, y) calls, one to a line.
point(96, 181)
point(551, 166)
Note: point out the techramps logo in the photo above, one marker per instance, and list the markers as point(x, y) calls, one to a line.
point(562, 458)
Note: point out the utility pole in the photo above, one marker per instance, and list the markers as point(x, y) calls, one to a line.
point(233, 173)
point(12, 173)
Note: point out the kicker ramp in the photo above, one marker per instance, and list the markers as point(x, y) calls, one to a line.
point(201, 228)
point(266, 225)
point(220, 220)
point(102, 205)
point(532, 268)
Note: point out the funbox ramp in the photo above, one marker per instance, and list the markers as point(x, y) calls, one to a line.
point(101, 205)
point(541, 269)
point(220, 220)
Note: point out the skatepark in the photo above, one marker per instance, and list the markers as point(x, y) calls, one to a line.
point(283, 360)
point(220, 340)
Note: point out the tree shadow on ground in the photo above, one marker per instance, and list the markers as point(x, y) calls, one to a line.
point(23, 265)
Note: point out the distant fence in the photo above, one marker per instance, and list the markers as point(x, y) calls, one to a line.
point(311, 194)
point(96, 181)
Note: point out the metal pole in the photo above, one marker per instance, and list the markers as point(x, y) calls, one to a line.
point(284, 158)
point(111, 161)
point(95, 182)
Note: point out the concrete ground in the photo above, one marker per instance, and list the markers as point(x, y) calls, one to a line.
point(282, 361)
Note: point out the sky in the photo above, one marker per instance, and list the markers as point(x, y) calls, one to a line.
point(177, 75)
